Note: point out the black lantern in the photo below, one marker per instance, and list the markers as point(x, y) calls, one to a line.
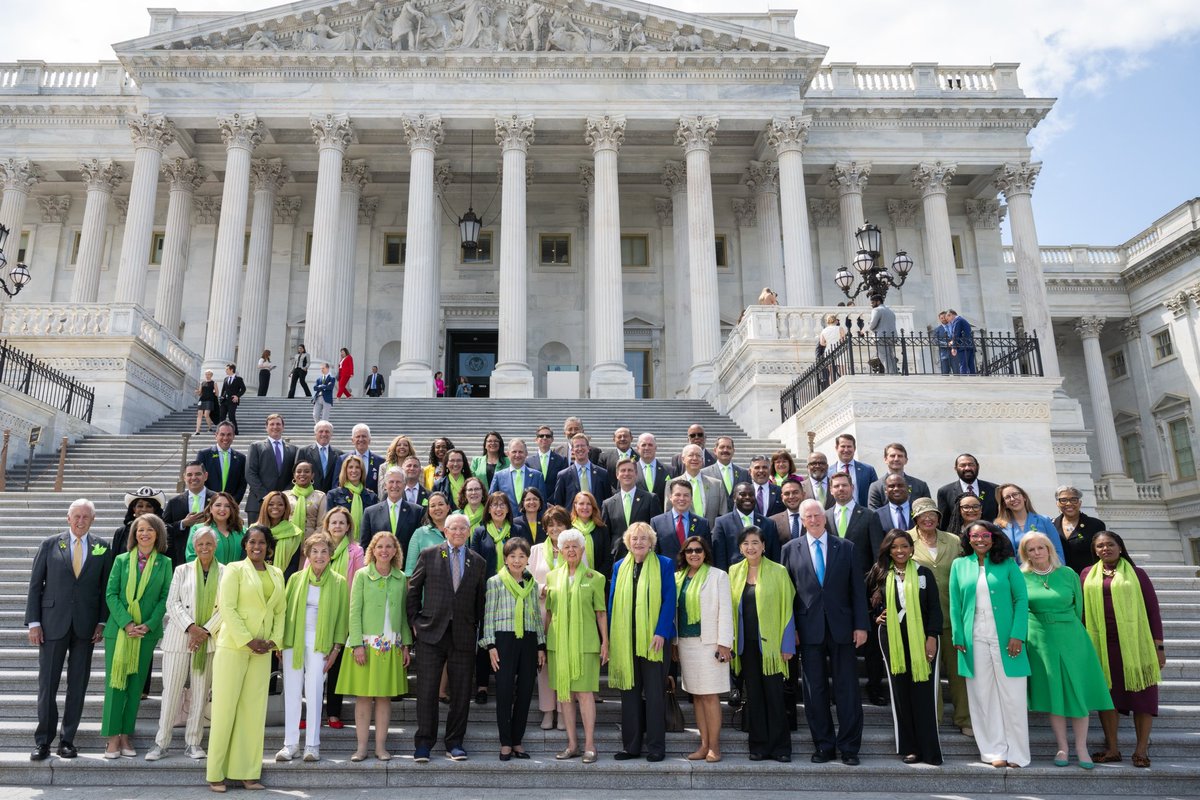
point(469, 224)
point(20, 273)
point(875, 278)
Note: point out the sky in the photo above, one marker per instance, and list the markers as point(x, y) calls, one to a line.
point(1119, 150)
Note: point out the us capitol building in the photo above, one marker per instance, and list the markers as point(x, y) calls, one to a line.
point(308, 173)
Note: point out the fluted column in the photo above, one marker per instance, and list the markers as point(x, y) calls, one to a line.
point(512, 376)
point(932, 179)
point(587, 179)
point(101, 176)
point(355, 177)
point(695, 135)
point(413, 376)
point(185, 175)
point(1111, 466)
point(332, 134)
point(151, 133)
point(267, 177)
point(18, 176)
point(788, 136)
point(679, 298)
point(443, 176)
point(1016, 181)
point(763, 179)
point(849, 178)
point(610, 378)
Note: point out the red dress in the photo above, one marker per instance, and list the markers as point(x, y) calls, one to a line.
point(345, 373)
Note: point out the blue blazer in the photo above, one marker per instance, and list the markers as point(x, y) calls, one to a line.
point(502, 481)
point(864, 476)
point(725, 536)
point(323, 386)
point(840, 603)
point(668, 541)
point(568, 485)
point(666, 612)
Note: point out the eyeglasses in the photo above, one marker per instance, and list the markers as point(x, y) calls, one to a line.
point(971, 507)
point(694, 551)
point(695, 435)
point(979, 536)
point(545, 436)
point(1068, 501)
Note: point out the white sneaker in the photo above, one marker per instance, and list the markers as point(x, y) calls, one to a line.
point(312, 754)
point(155, 753)
point(195, 751)
point(285, 754)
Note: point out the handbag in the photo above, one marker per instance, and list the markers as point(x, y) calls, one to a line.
point(674, 712)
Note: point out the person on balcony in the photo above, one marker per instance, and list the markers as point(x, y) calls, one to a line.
point(883, 327)
point(962, 342)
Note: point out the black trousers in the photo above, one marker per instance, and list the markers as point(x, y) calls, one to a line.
point(515, 679)
point(299, 376)
point(460, 670)
point(264, 382)
point(816, 674)
point(229, 412)
point(914, 705)
point(764, 712)
point(77, 653)
point(333, 700)
point(644, 709)
point(483, 668)
point(873, 661)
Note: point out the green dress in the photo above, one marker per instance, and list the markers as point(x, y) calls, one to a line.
point(1065, 676)
point(379, 623)
point(560, 588)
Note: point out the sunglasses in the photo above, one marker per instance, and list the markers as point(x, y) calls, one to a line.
point(693, 551)
point(545, 436)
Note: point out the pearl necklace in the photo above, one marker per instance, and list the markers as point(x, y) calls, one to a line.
point(1043, 575)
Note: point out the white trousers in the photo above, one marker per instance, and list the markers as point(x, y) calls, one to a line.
point(176, 669)
point(999, 706)
point(308, 683)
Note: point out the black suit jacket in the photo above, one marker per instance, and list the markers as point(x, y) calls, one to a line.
point(862, 528)
point(60, 602)
point(725, 535)
point(774, 498)
point(877, 497)
point(263, 477)
point(838, 607)
point(612, 512)
point(659, 489)
point(380, 385)
point(236, 485)
point(677, 467)
point(324, 481)
point(1078, 547)
point(568, 486)
point(376, 518)
point(927, 597)
point(234, 388)
point(608, 459)
point(555, 463)
point(433, 603)
point(174, 512)
point(946, 495)
point(668, 540)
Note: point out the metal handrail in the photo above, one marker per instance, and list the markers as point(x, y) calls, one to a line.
point(21, 371)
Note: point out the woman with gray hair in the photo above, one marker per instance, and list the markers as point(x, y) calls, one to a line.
point(1076, 528)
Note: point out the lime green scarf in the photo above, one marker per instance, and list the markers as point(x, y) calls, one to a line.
point(1138, 655)
point(128, 651)
point(287, 542)
point(623, 647)
point(912, 623)
point(773, 598)
point(206, 601)
point(300, 512)
point(456, 484)
point(571, 613)
point(499, 537)
point(339, 562)
point(356, 509)
point(691, 602)
point(475, 517)
point(589, 548)
point(333, 606)
point(520, 594)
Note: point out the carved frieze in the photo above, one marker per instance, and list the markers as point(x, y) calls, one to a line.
point(745, 212)
point(287, 209)
point(824, 213)
point(903, 213)
point(54, 207)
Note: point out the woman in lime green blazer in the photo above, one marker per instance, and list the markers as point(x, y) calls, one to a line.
point(251, 599)
point(989, 617)
point(137, 600)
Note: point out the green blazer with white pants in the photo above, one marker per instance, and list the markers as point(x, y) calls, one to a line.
point(1010, 608)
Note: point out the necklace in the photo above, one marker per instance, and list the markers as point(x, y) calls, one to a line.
point(1042, 575)
point(1108, 573)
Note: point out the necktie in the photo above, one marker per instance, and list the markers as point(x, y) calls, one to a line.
point(544, 457)
point(697, 496)
point(455, 568)
point(762, 501)
point(819, 563)
point(519, 482)
point(224, 468)
point(585, 482)
point(901, 522)
point(324, 460)
point(195, 504)
point(747, 521)
point(841, 525)
point(795, 526)
point(680, 534)
point(727, 475)
point(278, 455)
point(627, 499)
point(648, 470)
point(77, 555)
point(394, 507)
point(820, 490)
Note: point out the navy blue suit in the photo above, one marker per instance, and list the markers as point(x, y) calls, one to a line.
point(773, 496)
point(502, 481)
point(725, 535)
point(668, 539)
point(371, 479)
point(568, 485)
point(963, 341)
point(864, 476)
point(236, 484)
point(555, 463)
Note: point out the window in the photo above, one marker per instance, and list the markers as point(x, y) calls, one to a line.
point(395, 248)
point(555, 248)
point(956, 246)
point(482, 253)
point(635, 250)
point(1163, 347)
point(1181, 448)
point(156, 247)
point(76, 238)
point(722, 257)
point(308, 248)
point(1131, 455)
point(23, 247)
point(246, 249)
point(1116, 365)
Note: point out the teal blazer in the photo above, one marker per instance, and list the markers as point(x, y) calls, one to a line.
point(154, 599)
point(1010, 607)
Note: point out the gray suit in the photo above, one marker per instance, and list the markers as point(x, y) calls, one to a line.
point(263, 475)
point(740, 475)
point(883, 326)
point(877, 497)
point(716, 502)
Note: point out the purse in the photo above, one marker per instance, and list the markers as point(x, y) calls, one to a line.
point(674, 712)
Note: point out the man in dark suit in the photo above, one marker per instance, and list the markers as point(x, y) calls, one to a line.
point(518, 476)
point(897, 511)
point(622, 448)
point(581, 475)
point(630, 503)
point(967, 468)
point(374, 385)
point(185, 509)
point(831, 621)
point(728, 473)
point(652, 474)
point(571, 427)
point(414, 492)
point(766, 493)
point(816, 485)
point(787, 522)
point(232, 389)
point(941, 335)
point(546, 460)
point(896, 457)
point(65, 612)
point(861, 475)
point(856, 523)
point(695, 435)
point(226, 467)
point(445, 608)
point(360, 437)
point(269, 466)
point(962, 344)
point(744, 515)
point(678, 523)
point(323, 456)
point(392, 513)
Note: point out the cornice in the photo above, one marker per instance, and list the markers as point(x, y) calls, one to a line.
point(1187, 246)
point(1076, 285)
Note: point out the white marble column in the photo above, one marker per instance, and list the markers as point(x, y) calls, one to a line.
point(932, 179)
point(679, 297)
point(47, 246)
point(151, 133)
point(355, 177)
point(1016, 181)
point(763, 179)
point(985, 216)
point(332, 134)
point(267, 177)
point(587, 208)
point(1111, 466)
point(849, 178)
point(443, 176)
point(18, 176)
point(512, 376)
point(788, 135)
point(695, 135)
point(101, 176)
point(413, 376)
point(241, 134)
point(610, 378)
point(185, 175)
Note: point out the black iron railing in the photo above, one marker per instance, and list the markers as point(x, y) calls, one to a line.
point(984, 353)
point(23, 372)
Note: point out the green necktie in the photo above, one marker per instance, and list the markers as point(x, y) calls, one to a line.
point(649, 470)
point(224, 468)
point(519, 482)
point(747, 521)
point(628, 501)
point(585, 483)
point(195, 504)
point(727, 474)
point(697, 497)
point(394, 507)
point(841, 526)
point(543, 457)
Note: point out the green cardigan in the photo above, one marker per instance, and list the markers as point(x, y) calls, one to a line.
point(370, 591)
point(479, 467)
point(154, 599)
point(1010, 607)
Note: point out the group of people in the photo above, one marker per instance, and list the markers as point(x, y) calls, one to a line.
point(952, 336)
point(536, 567)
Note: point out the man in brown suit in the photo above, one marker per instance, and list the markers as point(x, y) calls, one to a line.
point(787, 522)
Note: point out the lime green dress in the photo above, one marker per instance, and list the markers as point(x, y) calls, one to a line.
point(1065, 676)
point(378, 622)
point(559, 590)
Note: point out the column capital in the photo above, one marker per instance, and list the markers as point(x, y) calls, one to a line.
point(1089, 327)
point(1177, 304)
point(902, 213)
point(1193, 292)
point(788, 134)
point(367, 206)
point(287, 209)
point(184, 173)
point(745, 211)
point(54, 207)
point(1131, 328)
point(154, 131)
point(423, 132)
point(763, 177)
point(587, 174)
point(933, 177)
point(849, 177)
point(605, 133)
point(824, 213)
point(20, 174)
point(1016, 177)
point(514, 132)
point(207, 209)
point(664, 208)
point(102, 173)
point(674, 176)
point(241, 130)
point(696, 133)
point(331, 130)
point(984, 213)
point(355, 175)
point(268, 173)
point(443, 176)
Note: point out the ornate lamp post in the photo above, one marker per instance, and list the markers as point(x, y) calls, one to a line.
point(19, 275)
point(875, 278)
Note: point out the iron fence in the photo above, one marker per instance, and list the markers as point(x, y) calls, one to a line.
point(24, 373)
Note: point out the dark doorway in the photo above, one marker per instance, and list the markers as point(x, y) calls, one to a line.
point(471, 354)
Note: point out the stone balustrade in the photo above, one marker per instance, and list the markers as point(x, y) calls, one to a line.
point(917, 80)
point(39, 77)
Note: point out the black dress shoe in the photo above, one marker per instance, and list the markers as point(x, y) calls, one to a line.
point(850, 761)
point(735, 698)
point(520, 754)
point(654, 758)
point(877, 697)
point(40, 753)
point(821, 758)
point(756, 757)
point(911, 758)
point(67, 750)
point(481, 697)
point(625, 755)
point(783, 759)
